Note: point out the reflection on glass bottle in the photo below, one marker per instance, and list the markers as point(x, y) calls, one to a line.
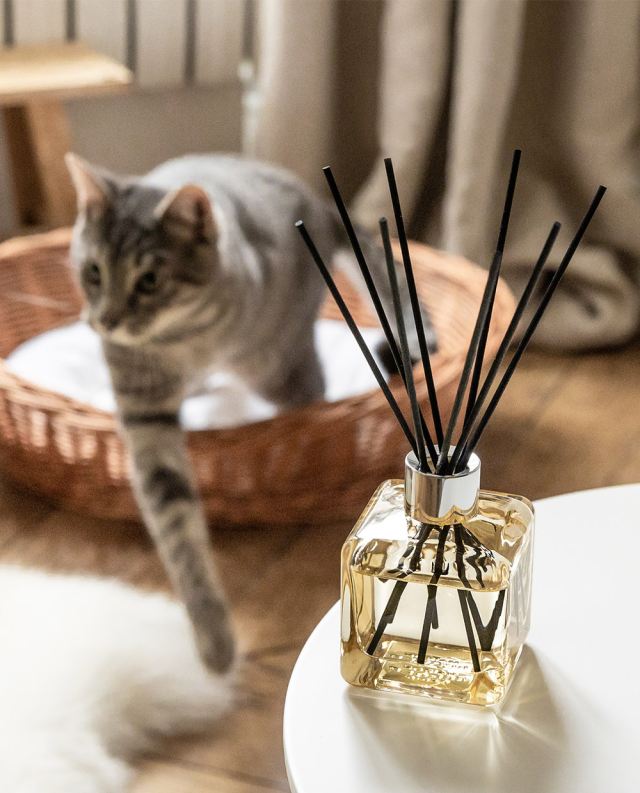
point(436, 580)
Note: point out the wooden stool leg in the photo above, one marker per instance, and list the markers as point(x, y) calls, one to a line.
point(38, 137)
point(26, 186)
point(51, 140)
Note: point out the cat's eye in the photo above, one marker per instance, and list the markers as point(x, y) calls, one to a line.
point(147, 283)
point(92, 274)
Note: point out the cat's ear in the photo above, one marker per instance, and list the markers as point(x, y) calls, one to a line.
point(92, 190)
point(187, 214)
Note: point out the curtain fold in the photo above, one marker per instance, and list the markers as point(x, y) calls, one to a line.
point(412, 91)
point(295, 78)
point(459, 86)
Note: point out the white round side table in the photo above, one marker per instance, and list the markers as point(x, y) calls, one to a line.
point(571, 721)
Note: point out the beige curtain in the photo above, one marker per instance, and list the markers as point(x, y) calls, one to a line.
point(448, 90)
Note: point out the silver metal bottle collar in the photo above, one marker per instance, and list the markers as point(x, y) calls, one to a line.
point(433, 498)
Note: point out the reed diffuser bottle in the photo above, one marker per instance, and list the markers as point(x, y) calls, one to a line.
point(436, 587)
point(436, 574)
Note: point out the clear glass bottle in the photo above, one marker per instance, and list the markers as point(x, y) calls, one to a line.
point(436, 587)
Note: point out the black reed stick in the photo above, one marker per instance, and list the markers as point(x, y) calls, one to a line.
point(492, 279)
point(404, 351)
point(535, 320)
point(398, 588)
point(486, 633)
point(502, 238)
point(506, 342)
point(368, 279)
point(483, 320)
point(388, 615)
point(463, 596)
point(356, 333)
point(427, 623)
point(432, 593)
point(364, 269)
point(415, 302)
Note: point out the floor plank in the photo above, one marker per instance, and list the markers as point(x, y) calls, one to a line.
point(565, 423)
point(157, 776)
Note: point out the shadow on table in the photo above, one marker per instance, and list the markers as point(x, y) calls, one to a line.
point(518, 748)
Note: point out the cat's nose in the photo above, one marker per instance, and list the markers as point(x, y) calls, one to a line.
point(108, 321)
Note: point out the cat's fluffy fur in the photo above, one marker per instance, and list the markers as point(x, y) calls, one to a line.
point(92, 673)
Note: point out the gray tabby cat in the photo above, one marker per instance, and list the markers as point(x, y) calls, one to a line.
point(194, 267)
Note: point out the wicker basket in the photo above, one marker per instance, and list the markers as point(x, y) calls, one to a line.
point(318, 464)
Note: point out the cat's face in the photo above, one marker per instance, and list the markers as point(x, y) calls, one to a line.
point(144, 257)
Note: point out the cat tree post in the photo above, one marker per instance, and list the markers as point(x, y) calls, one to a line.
point(34, 83)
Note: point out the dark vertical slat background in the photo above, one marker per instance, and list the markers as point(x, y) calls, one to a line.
point(191, 10)
point(132, 35)
point(7, 12)
point(70, 20)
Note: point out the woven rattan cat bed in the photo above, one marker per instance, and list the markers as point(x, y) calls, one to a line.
point(314, 465)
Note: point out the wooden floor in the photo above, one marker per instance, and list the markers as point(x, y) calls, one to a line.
point(566, 423)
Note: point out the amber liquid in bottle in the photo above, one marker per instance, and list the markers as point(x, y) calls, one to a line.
point(437, 609)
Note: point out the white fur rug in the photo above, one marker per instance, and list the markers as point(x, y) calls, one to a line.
point(92, 672)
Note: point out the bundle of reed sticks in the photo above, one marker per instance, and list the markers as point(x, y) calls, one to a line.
point(439, 454)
